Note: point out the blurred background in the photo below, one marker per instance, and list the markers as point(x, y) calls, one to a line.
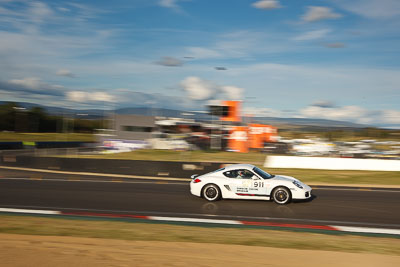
point(298, 78)
point(222, 127)
point(107, 108)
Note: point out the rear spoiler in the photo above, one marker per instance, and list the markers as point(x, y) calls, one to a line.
point(194, 176)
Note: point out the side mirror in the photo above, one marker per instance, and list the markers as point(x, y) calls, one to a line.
point(194, 176)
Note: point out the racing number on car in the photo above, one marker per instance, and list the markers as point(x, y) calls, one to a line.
point(258, 184)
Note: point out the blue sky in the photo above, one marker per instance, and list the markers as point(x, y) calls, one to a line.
point(332, 59)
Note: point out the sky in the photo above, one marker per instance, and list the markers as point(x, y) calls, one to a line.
point(329, 59)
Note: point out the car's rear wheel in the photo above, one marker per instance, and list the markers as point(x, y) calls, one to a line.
point(211, 192)
point(281, 195)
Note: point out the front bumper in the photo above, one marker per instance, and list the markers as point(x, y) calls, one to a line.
point(302, 193)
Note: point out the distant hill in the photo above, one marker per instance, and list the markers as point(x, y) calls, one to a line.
point(302, 123)
point(150, 111)
point(309, 122)
point(76, 113)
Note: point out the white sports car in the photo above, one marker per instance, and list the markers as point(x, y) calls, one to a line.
point(246, 181)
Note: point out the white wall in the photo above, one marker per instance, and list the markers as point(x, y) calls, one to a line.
point(332, 163)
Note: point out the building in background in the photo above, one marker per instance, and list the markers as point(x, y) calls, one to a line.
point(259, 134)
point(127, 133)
point(134, 127)
point(225, 130)
point(242, 136)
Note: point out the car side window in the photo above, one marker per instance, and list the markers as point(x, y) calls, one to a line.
point(230, 174)
point(246, 174)
point(239, 174)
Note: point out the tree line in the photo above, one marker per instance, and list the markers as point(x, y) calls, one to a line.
point(15, 118)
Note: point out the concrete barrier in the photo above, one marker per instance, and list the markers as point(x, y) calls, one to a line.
point(331, 163)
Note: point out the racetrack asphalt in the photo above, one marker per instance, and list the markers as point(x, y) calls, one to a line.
point(330, 205)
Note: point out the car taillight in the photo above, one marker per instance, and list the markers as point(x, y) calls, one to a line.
point(197, 180)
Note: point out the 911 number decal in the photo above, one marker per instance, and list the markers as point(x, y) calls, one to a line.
point(258, 184)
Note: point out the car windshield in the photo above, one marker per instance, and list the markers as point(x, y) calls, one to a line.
point(262, 173)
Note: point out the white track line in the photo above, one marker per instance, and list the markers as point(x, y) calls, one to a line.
point(47, 212)
point(367, 230)
point(238, 217)
point(350, 229)
point(177, 219)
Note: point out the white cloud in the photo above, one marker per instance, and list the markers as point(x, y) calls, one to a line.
point(202, 53)
point(353, 114)
point(100, 96)
point(391, 116)
point(377, 9)
point(312, 35)
point(83, 96)
point(65, 72)
point(168, 3)
point(38, 12)
point(30, 47)
point(346, 113)
point(198, 89)
point(33, 85)
point(326, 110)
point(172, 4)
point(308, 81)
point(29, 82)
point(315, 13)
point(267, 4)
point(232, 92)
point(238, 44)
point(76, 96)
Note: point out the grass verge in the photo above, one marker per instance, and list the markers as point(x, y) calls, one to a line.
point(175, 233)
point(37, 137)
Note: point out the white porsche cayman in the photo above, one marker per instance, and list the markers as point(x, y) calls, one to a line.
point(246, 181)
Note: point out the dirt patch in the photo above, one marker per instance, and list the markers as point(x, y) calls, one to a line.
point(27, 250)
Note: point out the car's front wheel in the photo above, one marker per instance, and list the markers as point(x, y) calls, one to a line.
point(211, 192)
point(281, 195)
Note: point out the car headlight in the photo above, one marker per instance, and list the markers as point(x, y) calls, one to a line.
point(298, 184)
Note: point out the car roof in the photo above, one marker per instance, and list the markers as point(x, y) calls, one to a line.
point(239, 166)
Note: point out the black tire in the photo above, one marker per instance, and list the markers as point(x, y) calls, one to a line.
point(211, 192)
point(281, 195)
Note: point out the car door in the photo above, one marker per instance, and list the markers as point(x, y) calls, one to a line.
point(258, 186)
point(245, 183)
